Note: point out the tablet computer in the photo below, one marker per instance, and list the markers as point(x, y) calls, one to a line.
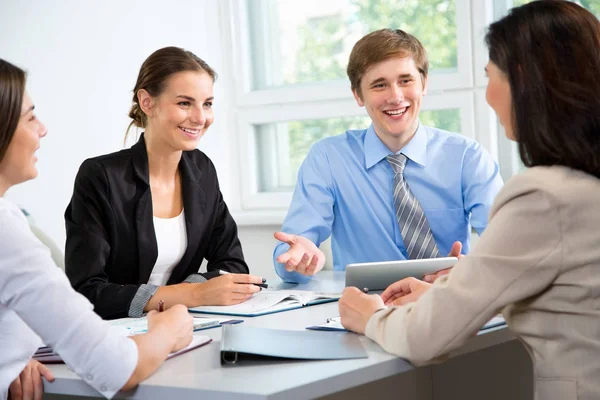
point(379, 275)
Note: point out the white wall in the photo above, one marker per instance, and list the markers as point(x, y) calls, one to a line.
point(83, 58)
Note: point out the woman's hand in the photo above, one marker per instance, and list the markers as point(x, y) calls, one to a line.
point(176, 323)
point(29, 384)
point(226, 289)
point(404, 291)
point(356, 308)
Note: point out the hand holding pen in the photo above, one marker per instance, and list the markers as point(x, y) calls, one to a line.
point(263, 285)
point(228, 289)
point(173, 326)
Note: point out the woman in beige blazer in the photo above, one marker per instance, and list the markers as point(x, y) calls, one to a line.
point(538, 262)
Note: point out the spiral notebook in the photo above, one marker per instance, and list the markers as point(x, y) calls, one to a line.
point(270, 301)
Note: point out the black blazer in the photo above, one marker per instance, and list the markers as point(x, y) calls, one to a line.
point(111, 245)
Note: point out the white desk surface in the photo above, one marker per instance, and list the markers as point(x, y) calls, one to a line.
point(199, 374)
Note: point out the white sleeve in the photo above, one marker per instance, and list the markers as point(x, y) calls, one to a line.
point(40, 294)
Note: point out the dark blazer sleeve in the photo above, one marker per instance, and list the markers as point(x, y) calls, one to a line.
point(88, 222)
point(224, 250)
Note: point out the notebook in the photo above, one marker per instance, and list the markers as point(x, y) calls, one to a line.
point(46, 355)
point(246, 343)
point(270, 301)
point(334, 324)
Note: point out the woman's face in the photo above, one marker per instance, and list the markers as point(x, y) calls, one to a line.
point(182, 113)
point(18, 164)
point(499, 97)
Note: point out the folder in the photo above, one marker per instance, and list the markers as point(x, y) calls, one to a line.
point(334, 324)
point(240, 343)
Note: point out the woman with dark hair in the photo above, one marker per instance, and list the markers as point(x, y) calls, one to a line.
point(142, 220)
point(538, 262)
point(36, 300)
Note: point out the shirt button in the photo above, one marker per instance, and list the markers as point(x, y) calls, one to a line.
point(90, 377)
point(103, 389)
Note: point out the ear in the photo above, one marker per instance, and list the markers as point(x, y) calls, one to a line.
point(146, 101)
point(424, 79)
point(358, 99)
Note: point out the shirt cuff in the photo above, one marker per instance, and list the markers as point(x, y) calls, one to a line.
point(141, 298)
point(195, 278)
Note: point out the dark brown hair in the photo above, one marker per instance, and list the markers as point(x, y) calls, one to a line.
point(550, 53)
point(382, 45)
point(157, 68)
point(12, 90)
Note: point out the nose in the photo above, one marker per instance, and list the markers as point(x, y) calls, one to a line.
point(43, 131)
point(396, 95)
point(198, 116)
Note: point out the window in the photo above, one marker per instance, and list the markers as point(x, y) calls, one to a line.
point(290, 61)
point(309, 42)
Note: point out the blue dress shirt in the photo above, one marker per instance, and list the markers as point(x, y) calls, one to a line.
point(345, 189)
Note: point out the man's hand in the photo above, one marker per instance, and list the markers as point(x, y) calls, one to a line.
point(29, 384)
point(356, 308)
point(302, 257)
point(404, 291)
point(454, 252)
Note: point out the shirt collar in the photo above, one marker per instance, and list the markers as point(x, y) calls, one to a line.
point(415, 150)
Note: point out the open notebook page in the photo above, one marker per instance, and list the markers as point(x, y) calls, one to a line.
point(269, 299)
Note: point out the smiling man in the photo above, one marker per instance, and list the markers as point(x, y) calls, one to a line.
point(397, 190)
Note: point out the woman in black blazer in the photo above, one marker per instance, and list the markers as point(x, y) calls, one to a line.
point(118, 200)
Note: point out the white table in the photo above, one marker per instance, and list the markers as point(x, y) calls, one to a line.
point(199, 374)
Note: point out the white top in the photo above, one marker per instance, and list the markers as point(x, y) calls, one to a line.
point(171, 241)
point(37, 299)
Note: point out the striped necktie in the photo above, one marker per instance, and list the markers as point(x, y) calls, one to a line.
point(415, 231)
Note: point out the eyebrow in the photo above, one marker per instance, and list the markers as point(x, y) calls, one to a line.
point(185, 97)
point(189, 98)
point(381, 80)
point(30, 109)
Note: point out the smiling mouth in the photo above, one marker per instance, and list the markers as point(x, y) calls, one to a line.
point(397, 112)
point(189, 131)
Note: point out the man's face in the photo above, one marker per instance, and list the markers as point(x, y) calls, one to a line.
point(391, 92)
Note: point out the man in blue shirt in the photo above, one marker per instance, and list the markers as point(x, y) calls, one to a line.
point(356, 186)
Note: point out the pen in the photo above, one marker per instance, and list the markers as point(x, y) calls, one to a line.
point(263, 285)
point(334, 319)
point(161, 306)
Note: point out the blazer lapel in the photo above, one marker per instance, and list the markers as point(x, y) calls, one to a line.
point(146, 237)
point(194, 203)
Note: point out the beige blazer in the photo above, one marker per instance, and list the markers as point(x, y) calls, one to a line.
point(538, 262)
